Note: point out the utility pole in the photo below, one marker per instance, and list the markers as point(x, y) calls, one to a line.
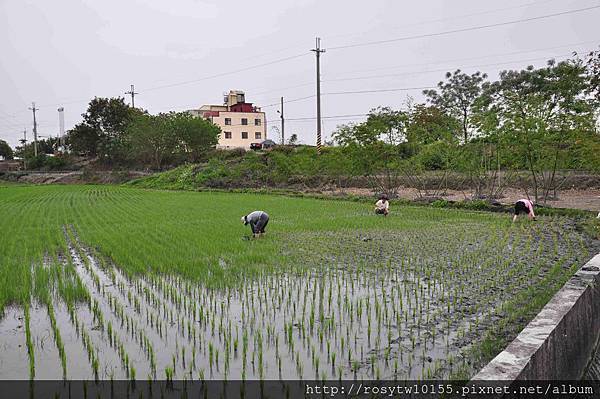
point(133, 93)
point(23, 142)
point(33, 109)
point(318, 52)
point(24, 139)
point(61, 127)
point(282, 124)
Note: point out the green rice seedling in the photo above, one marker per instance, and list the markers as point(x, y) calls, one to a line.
point(210, 355)
point(28, 341)
point(58, 340)
point(169, 374)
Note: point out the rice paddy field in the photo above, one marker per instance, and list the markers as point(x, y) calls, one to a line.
point(106, 282)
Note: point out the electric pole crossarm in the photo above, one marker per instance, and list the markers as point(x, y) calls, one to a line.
point(133, 93)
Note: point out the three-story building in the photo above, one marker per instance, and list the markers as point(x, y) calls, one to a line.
point(241, 123)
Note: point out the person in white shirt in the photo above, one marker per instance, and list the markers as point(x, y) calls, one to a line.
point(382, 207)
point(258, 221)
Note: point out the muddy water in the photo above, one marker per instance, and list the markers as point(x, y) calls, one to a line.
point(77, 366)
point(47, 359)
point(14, 362)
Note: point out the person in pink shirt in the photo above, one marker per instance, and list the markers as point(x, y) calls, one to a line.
point(524, 206)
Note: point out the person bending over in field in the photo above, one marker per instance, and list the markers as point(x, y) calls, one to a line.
point(524, 206)
point(258, 221)
point(382, 207)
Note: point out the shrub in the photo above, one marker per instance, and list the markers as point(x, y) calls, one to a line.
point(55, 163)
point(434, 156)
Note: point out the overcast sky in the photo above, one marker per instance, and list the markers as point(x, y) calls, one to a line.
point(65, 52)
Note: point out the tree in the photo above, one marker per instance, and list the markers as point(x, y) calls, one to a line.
point(195, 136)
point(293, 139)
point(429, 124)
point(159, 139)
point(541, 115)
point(592, 66)
point(457, 97)
point(374, 146)
point(83, 139)
point(102, 130)
point(150, 140)
point(5, 151)
point(383, 125)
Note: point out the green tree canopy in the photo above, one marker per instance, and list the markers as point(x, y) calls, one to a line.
point(542, 115)
point(383, 124)
point(102, 129)
point(5, 151)
point(429, 124)
point(157, 140)
point(457, 97)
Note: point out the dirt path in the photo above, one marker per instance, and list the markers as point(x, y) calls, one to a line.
point(575, 199)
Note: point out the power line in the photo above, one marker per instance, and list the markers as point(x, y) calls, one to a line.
point(446, 69)
point(289, 101)
point(312, 118)
point(354, 92)
point(283, 88)
point(186, 82)
point(472, 28)
point(378, 90)
point(429, 63)
point(474, 58)
point(225, 73)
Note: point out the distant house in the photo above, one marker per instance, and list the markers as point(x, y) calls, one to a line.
point(8, 166)
point(241, 123)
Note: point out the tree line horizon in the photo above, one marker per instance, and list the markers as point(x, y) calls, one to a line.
point(541, 120)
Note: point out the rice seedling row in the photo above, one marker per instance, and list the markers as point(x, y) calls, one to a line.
point(130, 284)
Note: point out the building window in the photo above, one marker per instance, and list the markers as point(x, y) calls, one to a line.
point(244, 134)
point(228, 121)
point(257, 135)
point(244, 121)
point(227, 135)
point(257, 122)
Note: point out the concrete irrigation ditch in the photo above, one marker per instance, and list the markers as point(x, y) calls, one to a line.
point(560, 342)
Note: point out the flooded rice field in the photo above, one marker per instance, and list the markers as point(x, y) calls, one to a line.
point(355, 304)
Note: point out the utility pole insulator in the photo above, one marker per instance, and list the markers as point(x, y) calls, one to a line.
point(133, 93)
point(318, 52)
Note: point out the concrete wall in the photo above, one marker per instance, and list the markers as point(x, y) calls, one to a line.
point(559, 342)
